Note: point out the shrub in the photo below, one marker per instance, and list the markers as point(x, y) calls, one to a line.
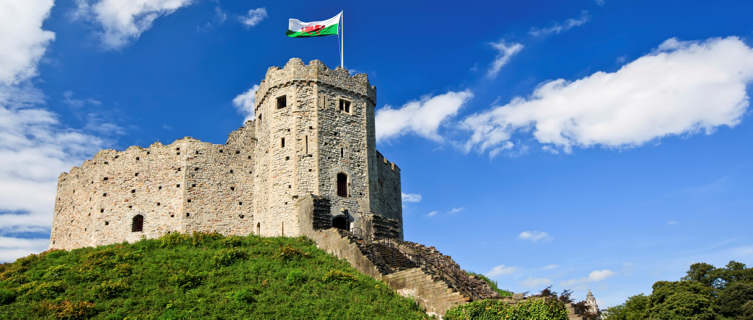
point(172, 240)
point(290, 253)
point(70, 310)
point(42, 290)
point(531, 309)
point(55, 272)
point(186, 280)
point(232, 241)
point(202, 238)
point(337, 275)
point(296, 277)
point(243, 296)
point(492, 284)
point(110, 289)
point(227, 257)
point(7, 296)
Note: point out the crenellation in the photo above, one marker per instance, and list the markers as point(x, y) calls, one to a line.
point(313, 134)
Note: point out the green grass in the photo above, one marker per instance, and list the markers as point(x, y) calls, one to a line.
point(492, 284)
point(204, 276)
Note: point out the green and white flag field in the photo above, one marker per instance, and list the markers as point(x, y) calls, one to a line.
point(298, 28)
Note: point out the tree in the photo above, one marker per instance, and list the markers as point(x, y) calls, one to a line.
point(732, 298)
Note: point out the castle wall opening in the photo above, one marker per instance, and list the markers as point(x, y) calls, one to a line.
point(341, 222)
point(137, 225)
point(342, 184)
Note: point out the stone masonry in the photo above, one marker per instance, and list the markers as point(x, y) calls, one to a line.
point(313, 134)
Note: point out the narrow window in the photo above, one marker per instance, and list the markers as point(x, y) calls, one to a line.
point(345, 105)
point(342, 152)
point(137, 225)
point(281, 102)
point(258, 228)
point(307, 144)
point(282, 143)
point(342, 185)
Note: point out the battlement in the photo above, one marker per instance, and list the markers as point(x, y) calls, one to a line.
point(296, 71)
point(381, 159)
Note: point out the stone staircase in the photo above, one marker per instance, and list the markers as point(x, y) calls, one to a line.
point(434, 280)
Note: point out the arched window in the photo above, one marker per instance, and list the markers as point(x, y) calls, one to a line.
point(342, 184)
point(258, 228)
point(340, 222)
point(138, 223)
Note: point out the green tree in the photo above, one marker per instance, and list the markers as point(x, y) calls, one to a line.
point(732, 299)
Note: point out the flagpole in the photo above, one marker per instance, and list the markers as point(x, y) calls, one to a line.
point(342, 43)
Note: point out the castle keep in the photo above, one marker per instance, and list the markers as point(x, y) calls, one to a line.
point(312, 137)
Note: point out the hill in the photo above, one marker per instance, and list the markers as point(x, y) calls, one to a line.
point(205, 276)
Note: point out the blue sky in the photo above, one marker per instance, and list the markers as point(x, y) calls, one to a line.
point(578, 144)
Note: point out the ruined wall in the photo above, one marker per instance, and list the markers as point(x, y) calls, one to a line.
point(219, 186)
point(251, 183)
point(97, 201)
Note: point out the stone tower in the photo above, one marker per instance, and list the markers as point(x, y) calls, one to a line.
point(312, 140)
point(315, 129)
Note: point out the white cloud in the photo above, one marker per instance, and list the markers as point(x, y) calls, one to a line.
point(411, 197)
point(560, 27)
point(123, 21)
point(598, 275)
point(422, 117)
point(244, 102)
point(672, 222)
point(534, 236)
point(22, 40)
point(680, 88)
point(593, 276)
point(500, 270)
point(432, 213)
point(550, 267)
point(34, 147)
point(505, 51)
point(14, 248)
point(456, 210)
point(536, 282)
point(78, 103)
point(253, 17)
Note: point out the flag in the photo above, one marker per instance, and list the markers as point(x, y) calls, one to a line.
point(298, 28)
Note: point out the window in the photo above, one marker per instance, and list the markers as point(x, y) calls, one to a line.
point(281, 102)
point(282, 143)
point(342, 184)
point(307, 144)
point(137, 225)
point(345, 105)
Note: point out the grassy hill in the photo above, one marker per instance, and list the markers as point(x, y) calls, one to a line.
point(204, 276)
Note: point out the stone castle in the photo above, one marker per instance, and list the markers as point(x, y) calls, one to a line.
point(313, 136)
point(306, 165)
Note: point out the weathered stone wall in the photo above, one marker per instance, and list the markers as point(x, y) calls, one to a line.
point(219, 185)
point(388, 191)
point(251, 183)
point(97, 202)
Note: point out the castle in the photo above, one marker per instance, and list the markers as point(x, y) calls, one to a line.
point(312, 136)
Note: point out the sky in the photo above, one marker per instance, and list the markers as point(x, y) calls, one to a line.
point(594, 144)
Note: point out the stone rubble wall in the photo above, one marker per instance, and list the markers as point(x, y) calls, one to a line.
point(251, 183)
point(96, 202)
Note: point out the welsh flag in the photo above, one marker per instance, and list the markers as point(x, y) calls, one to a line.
point(298, 28)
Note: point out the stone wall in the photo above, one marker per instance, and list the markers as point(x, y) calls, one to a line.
point(96, 202)
point(251, 183)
